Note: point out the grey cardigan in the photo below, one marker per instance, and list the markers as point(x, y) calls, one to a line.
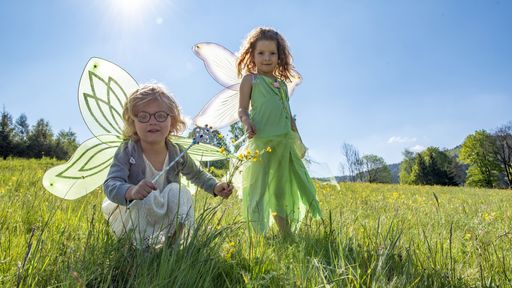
point(129, 168)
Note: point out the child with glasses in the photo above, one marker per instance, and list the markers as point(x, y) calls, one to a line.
point(150, 115)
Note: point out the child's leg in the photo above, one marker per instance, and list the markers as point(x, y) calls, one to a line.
point(282, 224)
point(180, 211)
point(178, 234)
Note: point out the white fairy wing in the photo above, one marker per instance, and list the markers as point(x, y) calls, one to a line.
point(219, 61)
point(104, 88)
point(221, 111)
point(85, 171)
point(296, 79)
point(321, 168)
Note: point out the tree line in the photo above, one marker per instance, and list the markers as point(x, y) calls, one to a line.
point(483, 160)
point(19, 139)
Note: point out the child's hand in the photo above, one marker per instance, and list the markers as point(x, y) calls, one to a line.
point(140, 191)
point(223, 190)
point(250, 129)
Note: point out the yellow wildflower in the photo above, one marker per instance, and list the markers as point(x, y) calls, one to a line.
point(269, 149)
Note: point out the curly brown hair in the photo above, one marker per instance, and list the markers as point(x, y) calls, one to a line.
point(246, 64)
point(146, 93)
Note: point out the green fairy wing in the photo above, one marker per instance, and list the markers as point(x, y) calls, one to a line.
point(103, 90)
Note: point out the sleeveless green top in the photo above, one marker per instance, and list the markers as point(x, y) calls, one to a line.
point(270, 109)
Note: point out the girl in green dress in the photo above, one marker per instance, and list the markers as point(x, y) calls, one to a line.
point(278, 184)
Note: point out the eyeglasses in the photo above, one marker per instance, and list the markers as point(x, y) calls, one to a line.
point(160, 116)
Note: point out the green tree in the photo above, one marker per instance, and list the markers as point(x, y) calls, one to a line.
point(503, 137)
point(40, 140)
point(65, 145)
point(479, 151)
point(419, 173)
point(237, 131)
point(21, 131)
point(375, 169)
point(406, 167)
point(430, 167)
point(439, 167)
point(6, 135)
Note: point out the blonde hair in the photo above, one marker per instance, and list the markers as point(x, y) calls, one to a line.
point(144, 94)
point(246, 64)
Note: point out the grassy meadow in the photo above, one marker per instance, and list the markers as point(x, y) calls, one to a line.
point(370, 236)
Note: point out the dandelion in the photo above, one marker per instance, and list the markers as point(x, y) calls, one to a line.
point(485, 216)
point(240, 159)
point(488, 217)
point(222, 150)
point(269, 149)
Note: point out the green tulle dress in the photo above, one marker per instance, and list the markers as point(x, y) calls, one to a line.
point(278, 182)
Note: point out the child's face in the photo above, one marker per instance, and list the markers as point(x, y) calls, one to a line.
point(154, 131)
point(265, 57)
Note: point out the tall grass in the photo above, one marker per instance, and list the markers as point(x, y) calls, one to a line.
point(370, 235)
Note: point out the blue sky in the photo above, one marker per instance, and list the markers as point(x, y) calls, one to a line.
point(380, 75)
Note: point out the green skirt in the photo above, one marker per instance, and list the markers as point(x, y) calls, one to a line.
point(277, 183)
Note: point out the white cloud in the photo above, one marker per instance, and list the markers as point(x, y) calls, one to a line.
point(400, 139)
point(417, 148)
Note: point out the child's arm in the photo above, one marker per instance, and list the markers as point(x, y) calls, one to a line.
point(116, 185)
point(200, 178)
point(140, 191)
point(223, 190)
point(243, 108)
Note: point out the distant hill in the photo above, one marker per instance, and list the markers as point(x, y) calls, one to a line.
point(395, 171)
point(395, 168)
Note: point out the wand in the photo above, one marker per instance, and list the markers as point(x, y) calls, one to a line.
point(199, 138)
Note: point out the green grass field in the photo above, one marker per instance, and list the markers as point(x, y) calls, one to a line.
point(370, 235)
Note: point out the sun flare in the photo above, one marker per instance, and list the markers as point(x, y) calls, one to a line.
point(133, 13)
point(130, 8)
